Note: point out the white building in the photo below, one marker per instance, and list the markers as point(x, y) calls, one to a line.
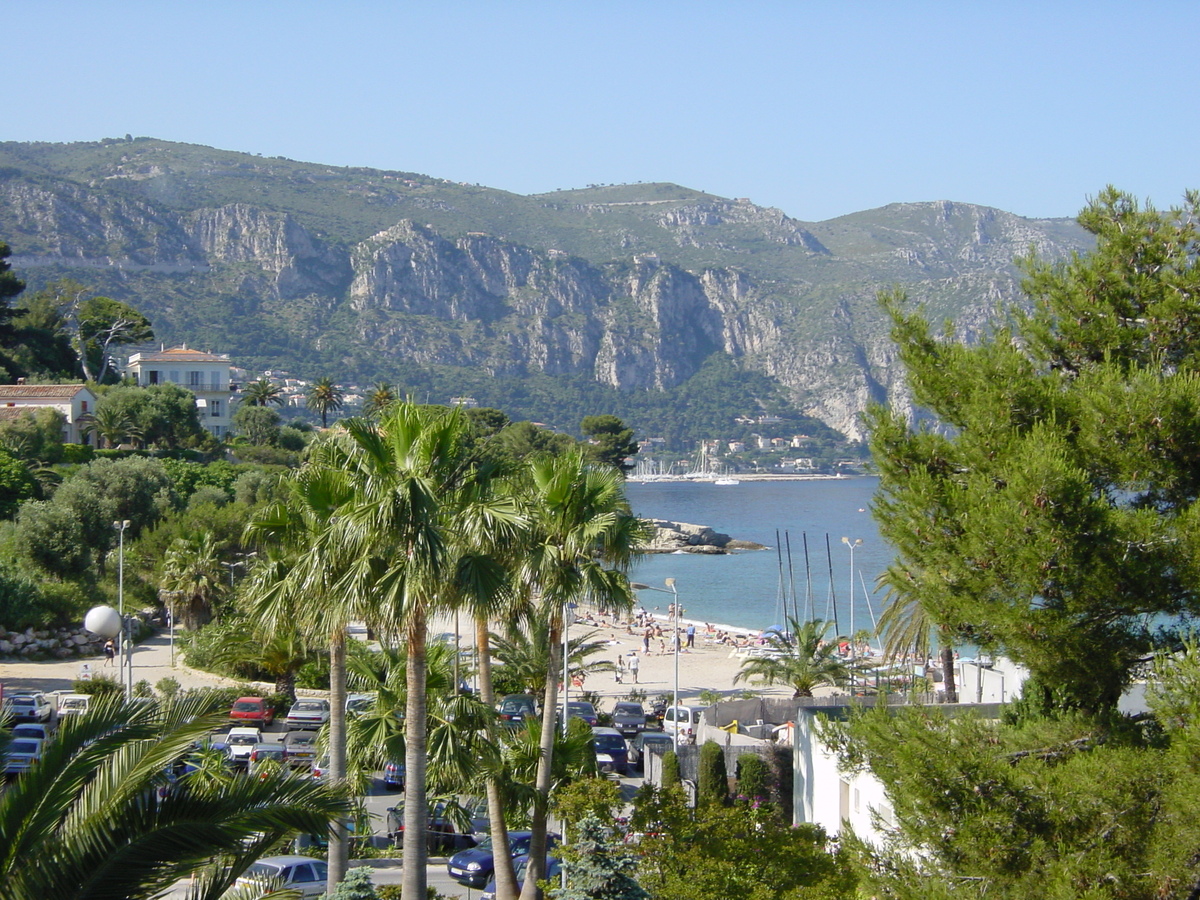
point(204, 374)
point(74, 401)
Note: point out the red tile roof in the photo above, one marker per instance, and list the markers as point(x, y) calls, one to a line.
point(40, 391)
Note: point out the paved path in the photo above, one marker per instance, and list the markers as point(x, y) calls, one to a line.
point(151, 662)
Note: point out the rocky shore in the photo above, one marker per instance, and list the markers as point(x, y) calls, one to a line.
point(683, 537)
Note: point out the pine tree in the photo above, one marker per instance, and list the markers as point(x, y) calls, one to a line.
point(1050, 512)
point(597, 868)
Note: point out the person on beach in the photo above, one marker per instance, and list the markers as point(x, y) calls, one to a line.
point(110, 651)
point(634, 664)
point(691, 636)
point(646, 640)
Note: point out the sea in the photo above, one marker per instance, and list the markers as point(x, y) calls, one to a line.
point(749, 589)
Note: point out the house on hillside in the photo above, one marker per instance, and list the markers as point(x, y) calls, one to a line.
point(74, 401)
point(204, 374)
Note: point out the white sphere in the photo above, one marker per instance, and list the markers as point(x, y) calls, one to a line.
point(103, 620)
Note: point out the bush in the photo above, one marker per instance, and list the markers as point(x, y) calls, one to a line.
point(97, 686)
point(355, 886)
point(753, 778)
point(78, 453)
point(168, 687)
point(671, 776)
point(713, 786)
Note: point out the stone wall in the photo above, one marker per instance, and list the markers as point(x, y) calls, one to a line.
point(51, 643)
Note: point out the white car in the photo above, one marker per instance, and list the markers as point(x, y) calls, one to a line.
point(297, 873)
point(28, 706)
point(73, 704)
point(241, 743)
point(685, 720)
point(308, 714)
point(20, 754)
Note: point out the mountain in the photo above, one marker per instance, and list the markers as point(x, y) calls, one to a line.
point(618, 293)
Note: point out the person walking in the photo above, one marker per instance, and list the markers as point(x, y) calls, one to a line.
point(110, 651)
point(635, 663)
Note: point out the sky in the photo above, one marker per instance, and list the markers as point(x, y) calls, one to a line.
point(819, 109)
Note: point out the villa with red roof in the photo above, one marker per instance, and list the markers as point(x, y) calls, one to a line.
point(204, 374)
point(74, 401)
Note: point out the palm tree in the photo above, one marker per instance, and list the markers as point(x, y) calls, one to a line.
point(325, 397)
point(801, 659)
point(279, 653)
point(417, 531)
point(525, 652)
point(581, 541)
point(192, 570)
point(98, 818)
point(110, 426)
point(379, 397)
point(908, 629)
point(262, 392)
point(302, 589)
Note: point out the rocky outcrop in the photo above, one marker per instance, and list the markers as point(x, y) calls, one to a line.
point(57, 643)
point(682, 537)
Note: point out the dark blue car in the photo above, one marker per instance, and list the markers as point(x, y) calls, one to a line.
point(474, 867)
point(553, 869)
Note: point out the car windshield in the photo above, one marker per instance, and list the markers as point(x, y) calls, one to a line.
point(243, 739)
point(308, 705)
point(609, 742)
point(302, 737)
point(263, 870)
point(627, 709)
point(247, 705)
point(517, 704)
point(25, 747)
point(22, 701)
point(649, 741)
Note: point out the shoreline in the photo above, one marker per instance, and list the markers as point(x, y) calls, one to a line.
point(749, 476)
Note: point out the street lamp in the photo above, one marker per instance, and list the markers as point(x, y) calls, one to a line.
point(857, 542)
point(568, 621)
point(670, 589)
point(124, 642)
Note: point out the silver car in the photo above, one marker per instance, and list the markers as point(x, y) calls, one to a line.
point(308, 714)
point(297, 873)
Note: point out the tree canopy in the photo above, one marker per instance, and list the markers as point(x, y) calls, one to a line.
point(1048, 509)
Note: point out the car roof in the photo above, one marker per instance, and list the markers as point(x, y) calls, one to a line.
point(603, 730)
point(288, 860)
point(245, 729)
point(244, 699)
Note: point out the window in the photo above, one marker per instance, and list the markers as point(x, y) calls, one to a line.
point(195, 379)
point(215, 406)
point(173, 376)
point(214, 380)
point(152, 376)
point(83, 407)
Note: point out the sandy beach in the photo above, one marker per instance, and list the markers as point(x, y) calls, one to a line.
point(708, 666)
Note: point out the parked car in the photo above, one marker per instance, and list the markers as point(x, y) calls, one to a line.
point(581, 709)
point(241, 743)
point(553, 870)
point(475, 865)
point(308, 714)
point(448, 831)
point(516, 708)
point(359, 703)
point(252, 711)
point(608, 742)
point(301, 748)
point(393, 775)
point(36, 730)
point(644, 743)
point(73, 704)
point(685, 720)
point(629, 718)
point(28, 706)
point(298, 873)
point(20, 754)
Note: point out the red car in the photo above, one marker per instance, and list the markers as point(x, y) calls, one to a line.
point(252, 711)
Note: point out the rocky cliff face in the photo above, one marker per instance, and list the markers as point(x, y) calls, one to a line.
point(794, 301)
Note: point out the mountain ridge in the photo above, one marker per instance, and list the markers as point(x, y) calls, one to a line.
point(369, 272)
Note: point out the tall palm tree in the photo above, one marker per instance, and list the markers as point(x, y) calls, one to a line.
point(581, 541)
point(302, 588)
point(325, 397)
point(424, 513)
point(192, 570)
point(110, 426)
point(262, 392)
point(379, 397)
point(802, 659)
point(525, 652)
point(908, 629)
point(97, 818)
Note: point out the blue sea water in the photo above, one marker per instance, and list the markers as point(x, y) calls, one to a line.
point(743, 588)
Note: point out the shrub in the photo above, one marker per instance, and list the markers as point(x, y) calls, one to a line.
point(355, 886)
point(97, 686)
point(670, 770)
point(753, 778)
point(78, 453)
point(713, 786)
point(168, 687)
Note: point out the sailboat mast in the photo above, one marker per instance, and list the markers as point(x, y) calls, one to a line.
point(787, 536)
point(781, 593)
point(832, 595)
point(808, 597)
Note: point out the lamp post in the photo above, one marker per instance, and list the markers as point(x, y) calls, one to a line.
point(852, 544)
point(568, 621)
point(669, 589)
point(124, 641)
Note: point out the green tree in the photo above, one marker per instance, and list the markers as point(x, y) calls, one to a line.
point(111, 425)
point(165, 414)
point(712, 783)
point(262, 392)
point(96, 817)
point(325, 397)
point(599, 868)
point(803, 660)
point(671, 776)
point(102, 324)
point(753, 779)
point(581, 541)
point(35, 435)
point(192, 569)
point(259, 424)
point(17, 484)
point(380, 396)
point(525, 653)
point(609, 441)
point(1053, 517)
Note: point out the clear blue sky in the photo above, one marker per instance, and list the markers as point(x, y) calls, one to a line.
point(817, 108)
